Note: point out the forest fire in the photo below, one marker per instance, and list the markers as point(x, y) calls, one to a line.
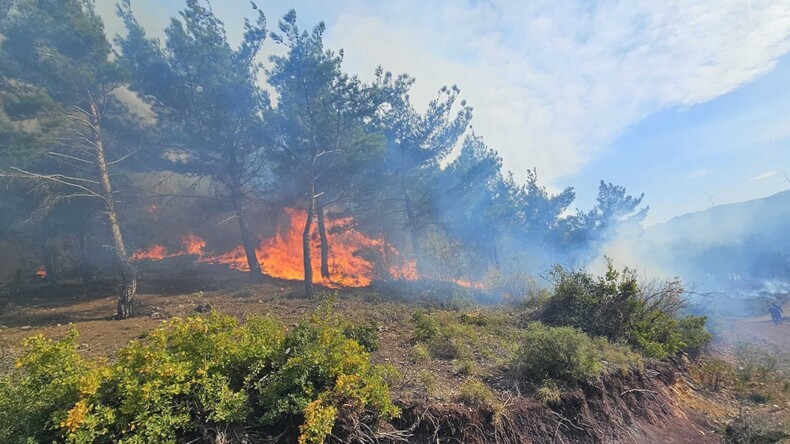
point(190, 245)
point(349, 261)
point(281, 255)
point(41, 273)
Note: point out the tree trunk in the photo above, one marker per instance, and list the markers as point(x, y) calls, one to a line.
point(306, 253)
point(324, 243)
point(413, 232)
point(246, 236)
point(128, 273)
point(46, 255)
point(308, 224)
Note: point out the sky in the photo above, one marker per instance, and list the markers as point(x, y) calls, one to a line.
point(685, 101)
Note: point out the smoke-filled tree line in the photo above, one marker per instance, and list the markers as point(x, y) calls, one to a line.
point(83, 114)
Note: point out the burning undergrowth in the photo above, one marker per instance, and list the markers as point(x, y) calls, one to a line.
point(350, 259)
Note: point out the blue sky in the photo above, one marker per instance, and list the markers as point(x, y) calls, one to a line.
point(671, 98)
point(735, 147)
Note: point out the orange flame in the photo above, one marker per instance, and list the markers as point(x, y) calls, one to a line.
point(190, 245)
point(405, 272)
point(42, 272)
point(154, 253)
point(281, 255)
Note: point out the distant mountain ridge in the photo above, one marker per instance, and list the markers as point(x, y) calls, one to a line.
point(748, 216)
point(736, 245)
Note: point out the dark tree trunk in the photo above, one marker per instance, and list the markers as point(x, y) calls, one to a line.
point(413, 232)
point(308, 225)
point(128, 273)
point(246, 237)
point(15, 288)
point(324, 242)
point(306, 253)
point(47, 255)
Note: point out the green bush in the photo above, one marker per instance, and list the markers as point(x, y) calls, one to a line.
point(420, 353)
point(599, 306)
point(367, 335)
point(190, 376)
point(426, 326)
point(442, 341)
point(616, 306)
point(563, 354)
point(548, 393)
point(475, 393)
point(34, 399)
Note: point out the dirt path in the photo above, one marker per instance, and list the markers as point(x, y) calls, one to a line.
point(763, 331)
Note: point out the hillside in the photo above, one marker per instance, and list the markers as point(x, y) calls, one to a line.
point(450, 363)
point(742, 249)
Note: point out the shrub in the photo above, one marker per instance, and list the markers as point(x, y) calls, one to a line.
point(35, 398)
point(426, 326)
point(475, 393)
point(599, 306)
point(367, 335)
point(427, 381)
point(757, 397)
point(563, 354)
point(548, 393)
point(190, 376)
point(447, 348)
point(420, 353)
point(714, 374)
point(466, 367)
point(755, 362)
point(748, 429)
point(618, 307)
point(441, 341)
point(618, 356)
point(477, 318)
point(316, 361)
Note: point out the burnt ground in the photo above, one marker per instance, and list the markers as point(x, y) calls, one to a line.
point(676, 412)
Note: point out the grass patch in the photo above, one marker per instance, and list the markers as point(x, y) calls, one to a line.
point(548, 393)
point(475, 393)
point(484, 338)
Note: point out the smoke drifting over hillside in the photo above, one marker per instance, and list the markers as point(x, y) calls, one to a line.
point(737, 251)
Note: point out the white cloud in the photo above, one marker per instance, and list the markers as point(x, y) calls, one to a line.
point(764, 175)
point(553, 82)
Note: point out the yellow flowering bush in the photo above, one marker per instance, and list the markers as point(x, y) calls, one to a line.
point(191, 377)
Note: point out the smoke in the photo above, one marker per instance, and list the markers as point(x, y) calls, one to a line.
point(137, 107)
point(738, 253)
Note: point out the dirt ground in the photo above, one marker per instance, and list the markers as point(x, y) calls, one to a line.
point(763, 330)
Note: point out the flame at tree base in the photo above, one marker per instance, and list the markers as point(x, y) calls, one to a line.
point(281, 256)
